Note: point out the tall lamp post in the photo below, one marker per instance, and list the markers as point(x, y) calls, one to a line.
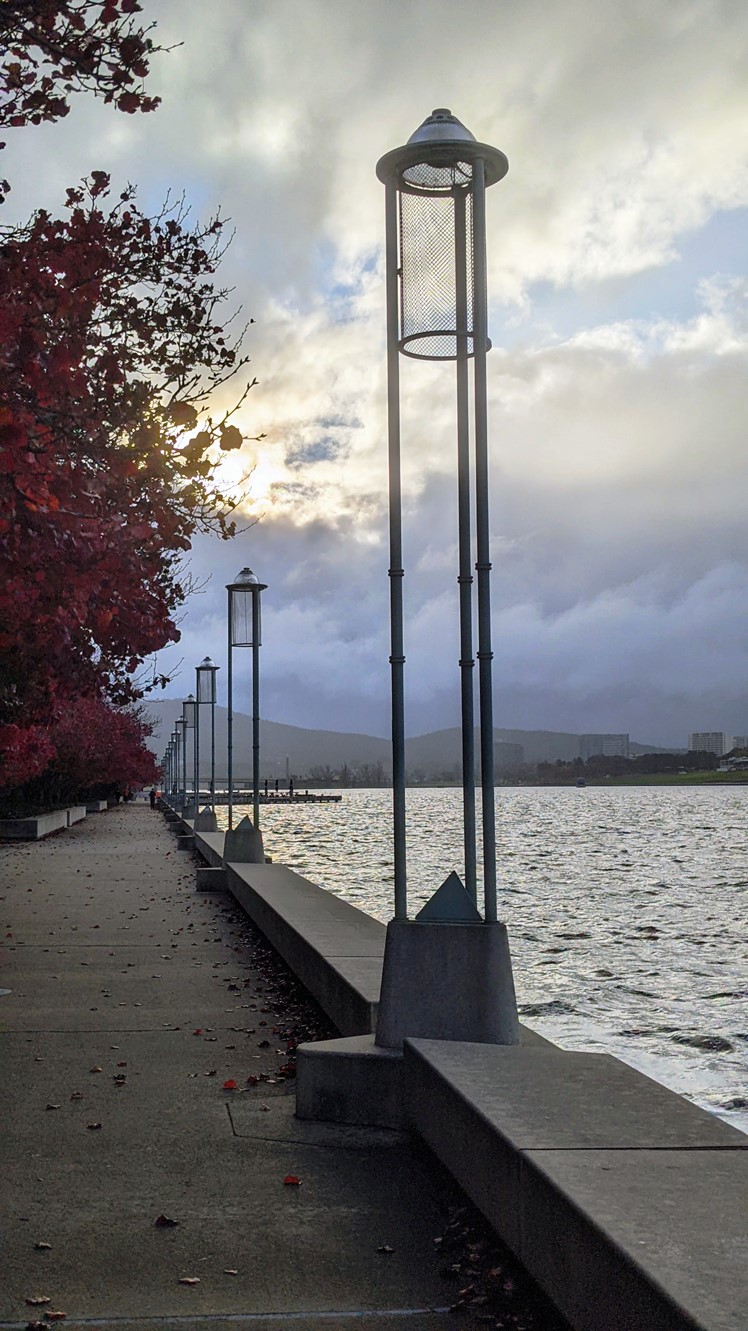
point(245, 630)
point(179, 729)
point(189, 718)
point(205, 691)
point(435, 211)
point(174, 762)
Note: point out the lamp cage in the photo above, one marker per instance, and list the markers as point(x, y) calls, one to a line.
point(206, 680)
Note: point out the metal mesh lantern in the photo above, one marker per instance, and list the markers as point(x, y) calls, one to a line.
point(206, 680)
point(189, 711)
point(245, 622)
point(434, 175)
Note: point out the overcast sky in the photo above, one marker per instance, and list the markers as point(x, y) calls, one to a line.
point(618, 275)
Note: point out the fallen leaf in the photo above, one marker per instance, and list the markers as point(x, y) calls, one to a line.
point(199, 1031)
point(189, 1280)
point(95, 1069)
point(42, 1247)
point(51, 1106)
point(165, 1222)
point(385, 1247)
point(36, 1326)
point(230, 1085)
point(55, 1316)
point(292, 1181)
point(37, 1300)
point(265, 1109)
point(93, 1126)
point(230, 1271)
point(77, 1095)
point(252, 1080)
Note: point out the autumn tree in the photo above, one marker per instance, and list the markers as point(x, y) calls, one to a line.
point(112, 346)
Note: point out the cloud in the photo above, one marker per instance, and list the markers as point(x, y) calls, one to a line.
point(617, 383)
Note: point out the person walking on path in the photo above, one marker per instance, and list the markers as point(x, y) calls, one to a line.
point(152, 797)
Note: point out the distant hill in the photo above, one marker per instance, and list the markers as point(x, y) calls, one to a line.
point(433, 754)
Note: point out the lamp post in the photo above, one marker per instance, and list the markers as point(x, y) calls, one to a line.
point(174, 762)
point(435, 215)
point(180, 729)
point(205, 691)
point(436, 310)
point(189, 718)
point(245, 630)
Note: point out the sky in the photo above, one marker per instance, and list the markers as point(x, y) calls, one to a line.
point(618, 312)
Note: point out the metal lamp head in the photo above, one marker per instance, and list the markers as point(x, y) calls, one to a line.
point(206, 680)
point(435, 175)
point(244, 593)
point(189, 711)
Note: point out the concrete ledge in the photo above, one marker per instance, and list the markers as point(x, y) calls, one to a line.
point(96, 806)
point(350, 1081)
point(210, 846)
point(76, 814)
point(334, 949)
point(185, 841)
point(211, 879)
point(33, 829)
point(621, 1198)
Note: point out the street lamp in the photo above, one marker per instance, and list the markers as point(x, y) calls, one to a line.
point(180, 730)
point(174, 740)
point(189, 717)
point(435, 210)
point(205, 691)
point(245, 630)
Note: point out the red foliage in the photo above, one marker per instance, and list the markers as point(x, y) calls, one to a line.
point(54, 48)
point(110, 347)
point(108, 350)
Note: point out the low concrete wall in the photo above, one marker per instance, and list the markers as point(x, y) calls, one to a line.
point(97, 806)
point(33, 829)
point(622, 1199)
point(76, 814)
point(334, 949)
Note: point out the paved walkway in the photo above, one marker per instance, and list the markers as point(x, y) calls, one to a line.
point(133, 998)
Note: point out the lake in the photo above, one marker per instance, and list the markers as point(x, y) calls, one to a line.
point(627, 911)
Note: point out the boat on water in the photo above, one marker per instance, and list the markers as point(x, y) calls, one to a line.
point(581, 781)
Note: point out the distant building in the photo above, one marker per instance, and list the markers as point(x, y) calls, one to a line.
point(710, 741)
point(740, 741)
point(507, 755)
point(608, 746)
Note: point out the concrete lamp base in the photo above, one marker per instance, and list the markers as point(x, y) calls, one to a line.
point(205, 821)
point(243, 844)
point(452, 980)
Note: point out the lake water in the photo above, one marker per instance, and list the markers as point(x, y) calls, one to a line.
point(627, 911)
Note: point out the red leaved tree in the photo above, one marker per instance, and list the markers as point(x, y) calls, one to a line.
point(111, 349)
point(54, 48)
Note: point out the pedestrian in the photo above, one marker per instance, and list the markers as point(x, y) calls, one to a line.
point(290, 788)
point(152, 797)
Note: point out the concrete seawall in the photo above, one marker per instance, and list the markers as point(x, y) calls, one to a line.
point(624, 1201)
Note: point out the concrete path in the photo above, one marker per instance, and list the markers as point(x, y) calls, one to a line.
point(133, 999)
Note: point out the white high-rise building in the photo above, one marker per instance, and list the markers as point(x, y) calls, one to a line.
point(740, 742)
point(710, 741)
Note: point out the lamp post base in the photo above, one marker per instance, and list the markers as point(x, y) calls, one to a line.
point(447, 981)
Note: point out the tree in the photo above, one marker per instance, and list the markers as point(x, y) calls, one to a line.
point(111, 346)
point(54, 48)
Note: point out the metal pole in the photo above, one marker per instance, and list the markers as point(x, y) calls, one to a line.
point(396, 572)
point(483, 565)
point(213, 749)
point(197, 740)
point(184, 764)
point(256, 708)
point(465, 578)
point(196, 802)
point(230, 714)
